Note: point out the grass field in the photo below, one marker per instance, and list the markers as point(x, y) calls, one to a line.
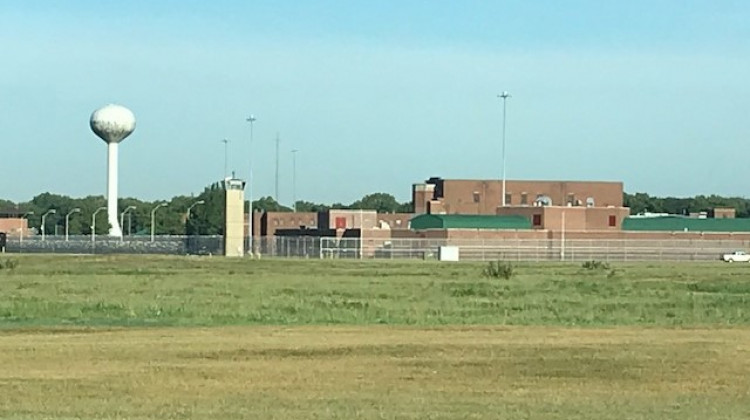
point(124, 337)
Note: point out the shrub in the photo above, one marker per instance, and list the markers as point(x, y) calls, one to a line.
point(498, 270)
point(9, 264)
point(595, 265)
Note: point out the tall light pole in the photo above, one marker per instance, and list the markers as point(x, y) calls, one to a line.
point(44, 217)
point(226, 156)
point(153, 212)
point(294, 179)
point(122, 217)
point(251, 119)
point(25, 215)
point(187, 213)
point(93, 223)
point(67, 220)
point(276, 185)
point(504, 96)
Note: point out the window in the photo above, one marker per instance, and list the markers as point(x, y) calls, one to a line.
point(507, 198)
point(477, 197)
point(524, 199)
point(537, 220)
point(612, 221)
point(571, 199)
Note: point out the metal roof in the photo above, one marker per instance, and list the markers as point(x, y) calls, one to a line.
point(469, 221)
point(681, 223)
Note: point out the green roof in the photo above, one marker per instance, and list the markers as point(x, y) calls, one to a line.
point(681, 223)
point(469, 221)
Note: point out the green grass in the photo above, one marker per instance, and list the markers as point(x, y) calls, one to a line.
point(52, 290)
point(245, 339)
point(375, 372)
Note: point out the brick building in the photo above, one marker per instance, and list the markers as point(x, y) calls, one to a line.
point(464, 196)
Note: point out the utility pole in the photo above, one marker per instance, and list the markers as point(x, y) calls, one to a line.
point(226, 156)
point(276, 189)
point(294, 179)
point(504, 96)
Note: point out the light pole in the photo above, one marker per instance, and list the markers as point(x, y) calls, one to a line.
point(122, 219)
point(67, 220)
point(93, 223)
point(187, 213)
point(294, 179)
point(44, 217)
point(251, 119)
point(153, 226)
point(226, 156)
point(504, 96)
point(28, 213)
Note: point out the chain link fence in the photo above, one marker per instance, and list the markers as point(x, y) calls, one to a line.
point(379, 248)
point(79, 244)
point(510, 249)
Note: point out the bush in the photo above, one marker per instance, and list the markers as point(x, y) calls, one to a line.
point(9, 264)
point(595, 265)
point(498, 270)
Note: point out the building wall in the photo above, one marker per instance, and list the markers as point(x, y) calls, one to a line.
point(347, 219)
point(394, 220)
point(576, 218)
point(460, 196)
point(421, 195)
point(14, 227)
point(269, 222)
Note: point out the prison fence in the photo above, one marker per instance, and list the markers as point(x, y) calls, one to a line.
point(510, 249)
point(379, 248)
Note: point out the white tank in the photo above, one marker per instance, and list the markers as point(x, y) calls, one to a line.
point(112, 123)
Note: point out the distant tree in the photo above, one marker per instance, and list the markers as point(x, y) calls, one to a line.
point(307, 206)
point(381, 202)
point(269, 204)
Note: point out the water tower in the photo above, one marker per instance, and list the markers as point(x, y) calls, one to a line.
point(112, 123)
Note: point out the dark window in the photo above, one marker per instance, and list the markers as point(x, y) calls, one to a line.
point(571, 199)
point(612, 221)
point(524, 199)
point(477, 197)
point(507, 198)
point(537, 220)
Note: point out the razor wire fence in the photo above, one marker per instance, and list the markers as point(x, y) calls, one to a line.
point(383, 248)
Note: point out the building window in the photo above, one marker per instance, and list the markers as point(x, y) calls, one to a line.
point(537, 220)
point(507, 198)
point(477, 197)
point(276, 222)
point(571, 199)
point(612, 221)
point(524, 199)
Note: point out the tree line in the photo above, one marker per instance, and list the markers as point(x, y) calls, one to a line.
point(205, 217)
point(206, 210)
point(641, 203)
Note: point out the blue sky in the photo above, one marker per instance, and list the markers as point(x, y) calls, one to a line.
point(376, 95)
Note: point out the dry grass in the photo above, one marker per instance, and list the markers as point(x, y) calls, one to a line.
point(374, 372)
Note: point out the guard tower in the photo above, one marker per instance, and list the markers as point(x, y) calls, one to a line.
point(234, 217)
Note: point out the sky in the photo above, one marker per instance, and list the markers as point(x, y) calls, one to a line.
point(375, 95)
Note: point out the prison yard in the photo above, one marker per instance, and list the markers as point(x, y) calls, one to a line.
point(159, 337)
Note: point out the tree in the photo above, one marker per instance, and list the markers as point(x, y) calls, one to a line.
point(381, 202)
point(269, 204)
